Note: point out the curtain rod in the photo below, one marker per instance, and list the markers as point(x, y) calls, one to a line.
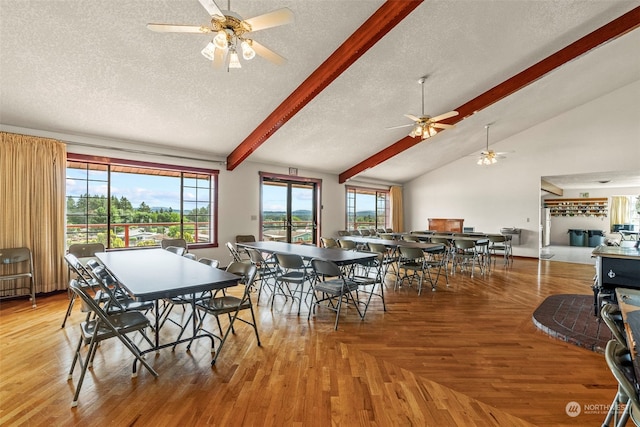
point(130, 150)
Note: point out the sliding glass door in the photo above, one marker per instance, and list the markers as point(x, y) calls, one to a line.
point(289, 209)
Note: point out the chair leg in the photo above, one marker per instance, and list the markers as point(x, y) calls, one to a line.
point(69, 308)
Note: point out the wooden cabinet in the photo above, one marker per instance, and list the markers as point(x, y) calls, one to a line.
point(578, 207)
point(446, 224)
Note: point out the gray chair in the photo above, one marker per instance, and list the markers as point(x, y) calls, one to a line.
point(612, 317)
point(329, 242)
point(176, 250)
point(619, 362)
point(16, 265)
point(499, 244)
point(333, 288)
point(466, 253)
point(267, 272)
point(347, 244)
point(214, 263)
point(83, 278)
point(370, 279)
point(221, 303)
point(181, 243)
point(191, 256)
point(413, 265)
point(85, 250)
point(292, 271)
point(104, 326)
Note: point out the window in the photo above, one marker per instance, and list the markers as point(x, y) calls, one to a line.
point(367, 208)
point(138, 204)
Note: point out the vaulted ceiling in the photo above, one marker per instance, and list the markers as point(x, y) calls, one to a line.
point(93, 69)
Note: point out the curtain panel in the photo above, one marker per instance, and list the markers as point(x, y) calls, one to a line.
point(32, 185)
point(619, 212)
point(397, 211)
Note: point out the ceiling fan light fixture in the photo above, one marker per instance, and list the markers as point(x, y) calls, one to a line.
point(487, 157)
point(220, 40)
point(247, 51)
point(234, 61)
point(209, 51)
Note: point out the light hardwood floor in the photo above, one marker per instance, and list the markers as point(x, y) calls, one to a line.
point(465, 355)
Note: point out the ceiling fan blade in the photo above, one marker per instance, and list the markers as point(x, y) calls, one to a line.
point(213, 10)
point(442, 126)
point(414, 118)
point(400, 126)
point(444, 116)
point(218, 59)
point(269, 20)
point(267, 53)
point(173, 28)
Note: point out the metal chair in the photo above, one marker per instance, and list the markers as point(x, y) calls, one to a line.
point(415, 266)
point(292, 270)
point(619, 361)
point(181, 243)
point(369, 276)
point(83, 278)
point(612, 317)
point(102, 327)
point(501, 244)
point(331, 286)
point(267, 271)
point(347, 244)
point(221, 303)
point(329, 242)
point(465, 253)
point(176, 250)
point(85, 250)
point(214, 263)
point(16, 264)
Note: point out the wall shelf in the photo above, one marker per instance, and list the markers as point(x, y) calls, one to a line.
point(596, 207)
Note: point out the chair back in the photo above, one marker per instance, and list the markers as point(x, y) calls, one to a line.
point(410, 238)
point(619, 361)
point(85, 250)
point(181, 243)
point(234, 253)
point(213, 263)
point(175, 249)
point(385, 236)
point(245, 238)
point(16, 256)
point(347, 244)
point(290, 261)
point(464, 244)
point(323, 267)
point(191, 257)
point(365, 232)
point(607, 313)
point(245, 270)
point(329, 242)
point(497, 238)
point(440, 240)
point(378, 248)
point(411, 253)
point(82, 273)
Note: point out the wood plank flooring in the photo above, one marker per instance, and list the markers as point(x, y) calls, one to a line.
point(465, 355)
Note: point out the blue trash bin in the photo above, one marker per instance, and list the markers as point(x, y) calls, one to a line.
point(595, 238)
point(577, 237)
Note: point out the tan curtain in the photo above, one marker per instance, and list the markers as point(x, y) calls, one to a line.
point(619, 212)
point(397, 211)
point(32, 185)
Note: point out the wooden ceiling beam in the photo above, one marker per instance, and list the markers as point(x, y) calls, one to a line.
point(614, 29)
point(380, 23)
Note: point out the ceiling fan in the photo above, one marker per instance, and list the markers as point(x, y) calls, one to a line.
point(231, 34)
point(425, 126)
point(489, 157)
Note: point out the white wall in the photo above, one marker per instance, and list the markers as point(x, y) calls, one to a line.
point(602, 135)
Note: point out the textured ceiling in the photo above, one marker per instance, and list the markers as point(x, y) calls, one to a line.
point(93, 68)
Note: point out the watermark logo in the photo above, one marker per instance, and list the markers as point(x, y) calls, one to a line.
point(573, 409)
